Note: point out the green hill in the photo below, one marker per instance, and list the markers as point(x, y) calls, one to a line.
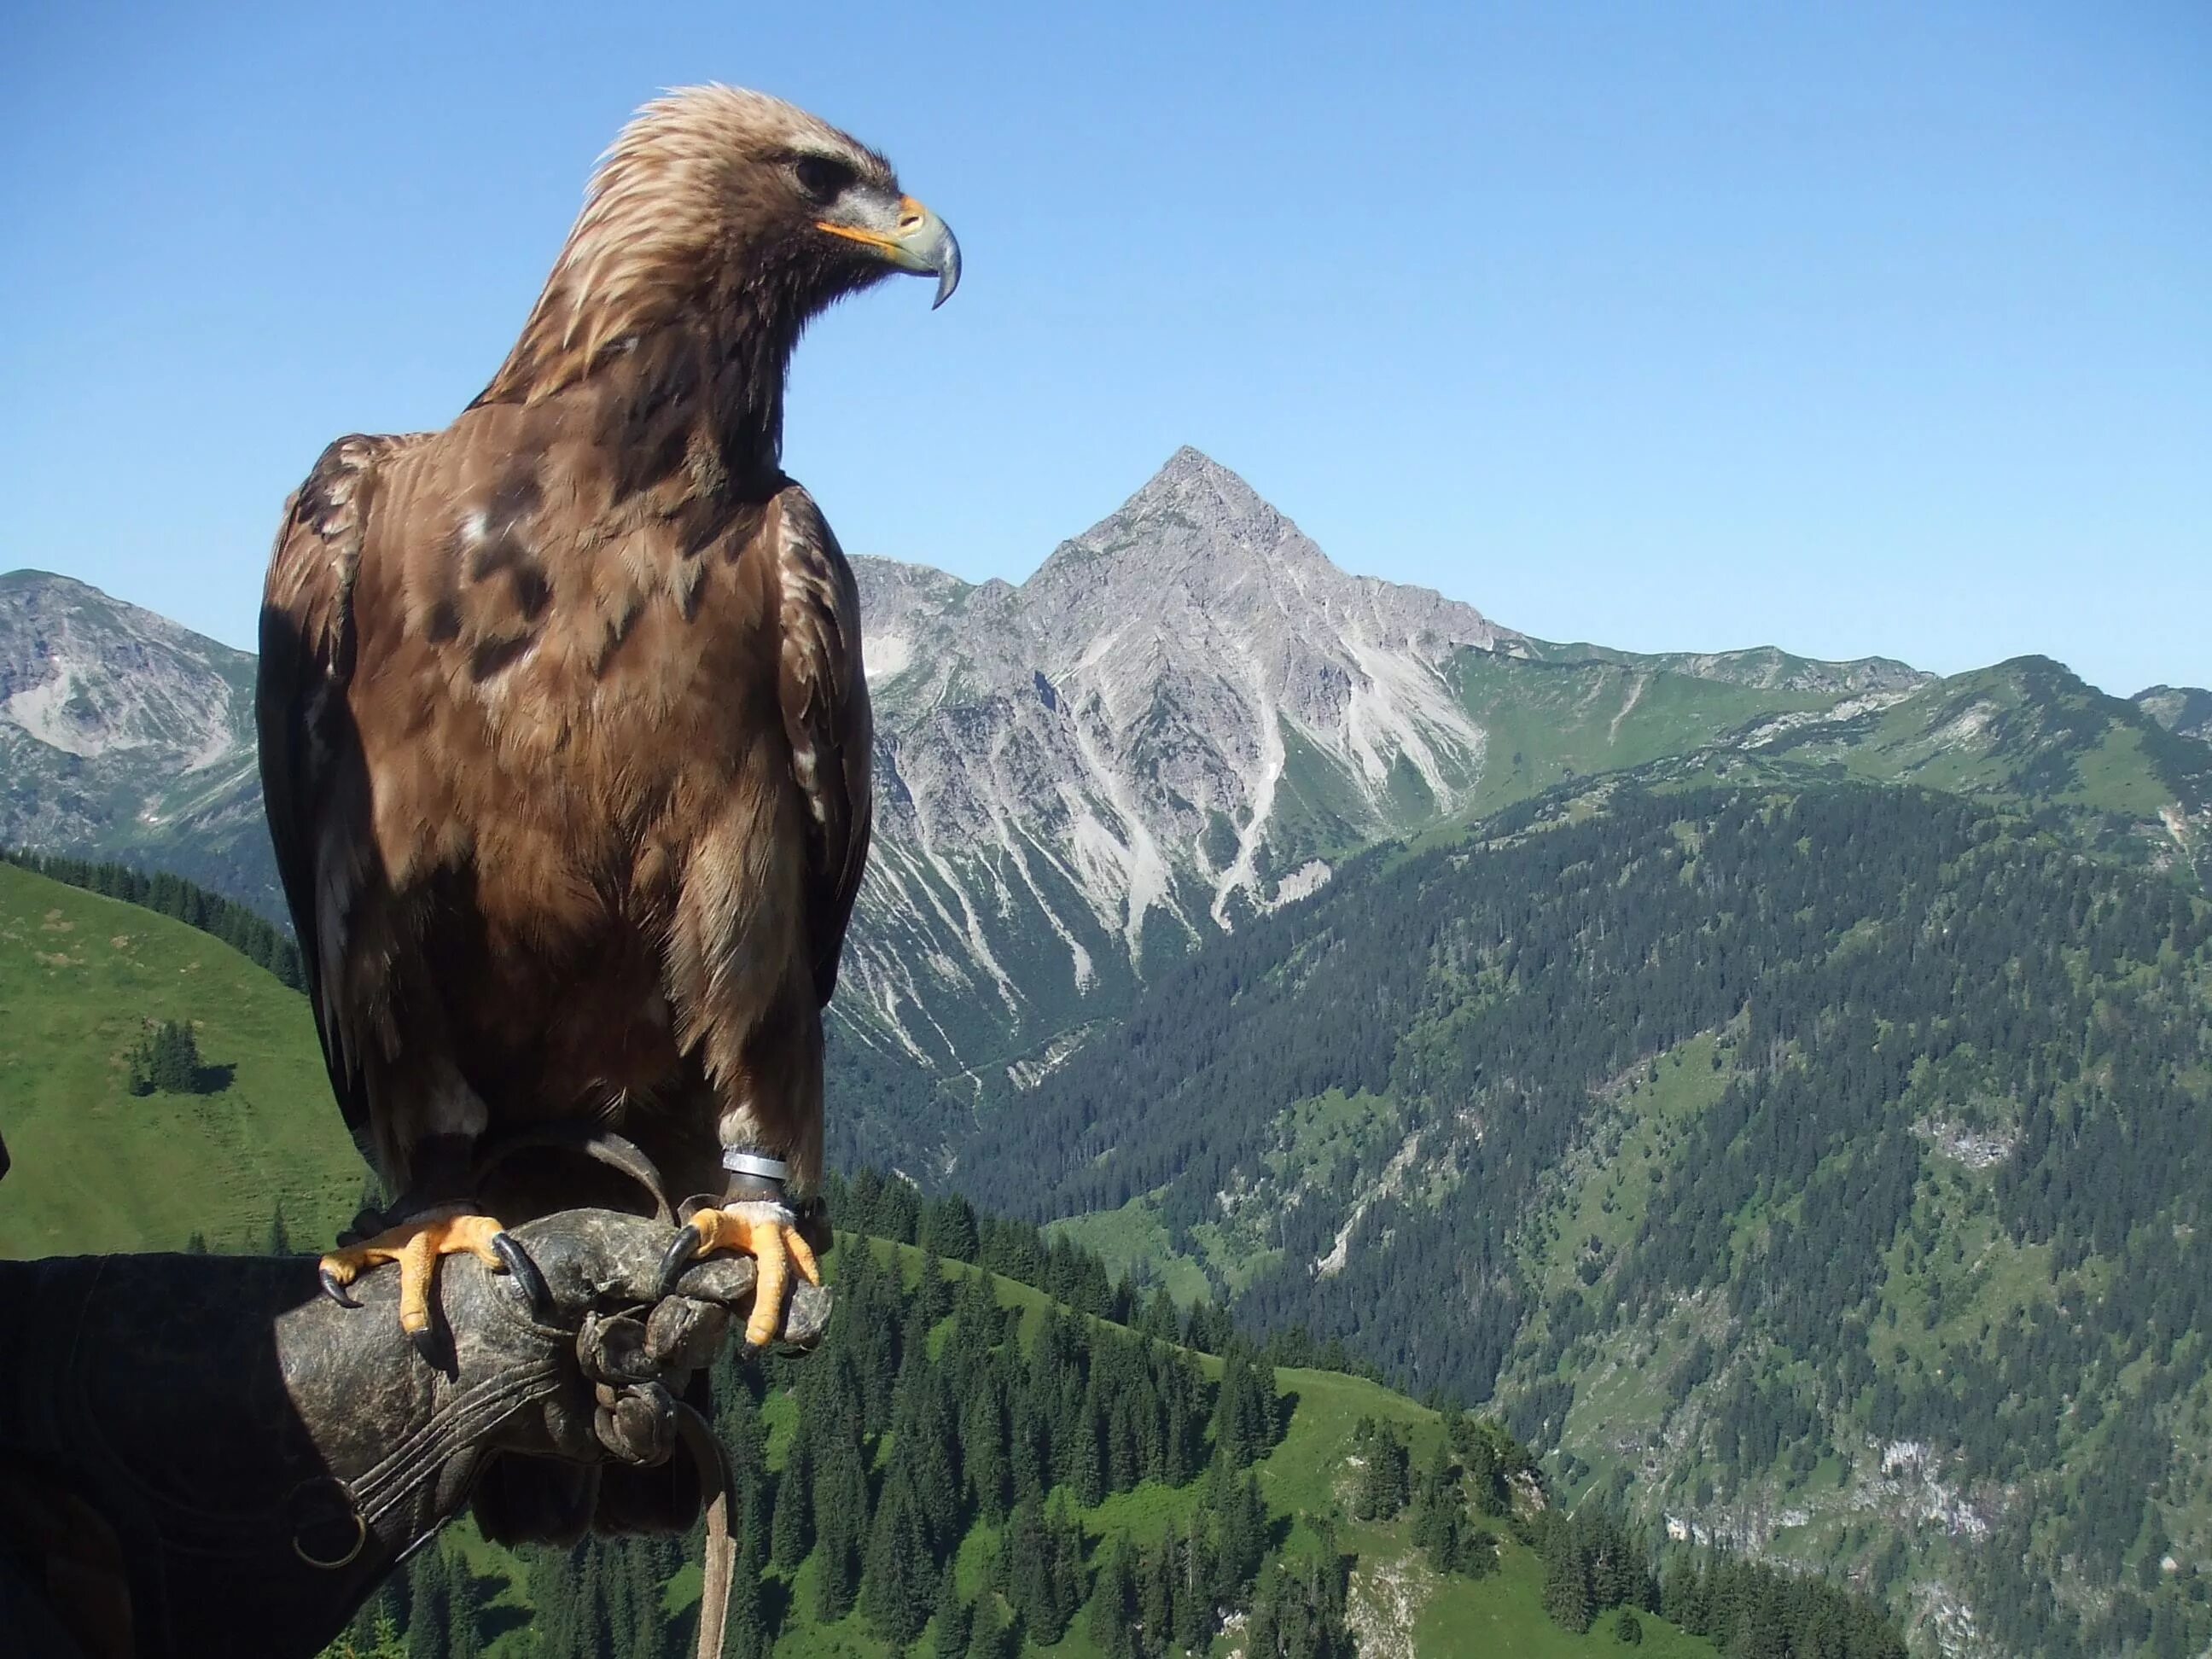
point(2028, 736)
point(82, 978)
point(940, 1379)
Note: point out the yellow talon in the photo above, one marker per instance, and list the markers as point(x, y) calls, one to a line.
point(767, 1233)
point(415, 1245)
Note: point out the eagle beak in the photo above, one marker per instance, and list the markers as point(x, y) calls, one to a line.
point(920, 241)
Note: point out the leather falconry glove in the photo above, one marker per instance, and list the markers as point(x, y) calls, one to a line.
point(204, 1455)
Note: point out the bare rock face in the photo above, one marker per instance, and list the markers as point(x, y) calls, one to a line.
point(88, 675)
point(2183, 710)
point(1177, 722)
point(122, 732)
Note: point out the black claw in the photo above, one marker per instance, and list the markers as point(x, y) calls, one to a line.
point(334, 1287)
point(526, 1273)
point(426, 1343)
point(680, 1255)
point(749, 1351)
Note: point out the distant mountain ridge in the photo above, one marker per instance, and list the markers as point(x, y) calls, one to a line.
point(122, 732)
point(2186, 710)
point(1186, 717)
point(1299, 936)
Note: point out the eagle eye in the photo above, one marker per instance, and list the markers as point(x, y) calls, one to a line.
point(822, 179)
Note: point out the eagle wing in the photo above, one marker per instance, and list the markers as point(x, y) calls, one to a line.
point(824, 696)
point(314, 785)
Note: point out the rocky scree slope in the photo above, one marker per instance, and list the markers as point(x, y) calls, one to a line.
point(1187, 717)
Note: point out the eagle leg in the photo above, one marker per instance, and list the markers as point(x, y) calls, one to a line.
point(766, 1232)
point(415, 1244)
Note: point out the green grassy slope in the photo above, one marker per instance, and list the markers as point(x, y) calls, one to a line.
point(2026, 735)
point(1549, 722)
point(98, 1168)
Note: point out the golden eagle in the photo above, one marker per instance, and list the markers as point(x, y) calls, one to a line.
point(564, 736)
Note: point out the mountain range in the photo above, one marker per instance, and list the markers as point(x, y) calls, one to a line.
point(1773, 1082)
point(1186, 717)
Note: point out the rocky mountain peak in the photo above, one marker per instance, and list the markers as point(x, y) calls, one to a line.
point(85, 674)
point(1175, 723)
point(1192, 481)
point(1193, 528)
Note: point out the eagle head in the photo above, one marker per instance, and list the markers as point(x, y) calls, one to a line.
point(719, 204)
point(791, 196)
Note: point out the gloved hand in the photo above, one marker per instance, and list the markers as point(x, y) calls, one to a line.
point(202, 1455)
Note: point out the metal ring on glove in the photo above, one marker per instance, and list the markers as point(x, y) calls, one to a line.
point(345, 1499)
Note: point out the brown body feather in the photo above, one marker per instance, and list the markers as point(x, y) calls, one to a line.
point(564, 734)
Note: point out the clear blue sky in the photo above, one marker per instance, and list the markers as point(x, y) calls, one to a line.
point(1864, 328)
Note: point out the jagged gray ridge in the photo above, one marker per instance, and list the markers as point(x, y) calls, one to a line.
point(1186, 717)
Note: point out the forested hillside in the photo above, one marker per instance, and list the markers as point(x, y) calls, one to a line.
point(1824, 1171)
point(970, 1466)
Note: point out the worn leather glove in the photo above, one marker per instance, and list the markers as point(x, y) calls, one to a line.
point(202, 1454)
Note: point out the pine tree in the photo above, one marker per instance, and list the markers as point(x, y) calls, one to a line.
point(1566, 1578)
point(899, 1211)
point(278, 1239)
point(933, 1296)
point(1040, 1567)
point(1159, 1319)
point(791, 1534)
point(1438, 1507)
point(1381, 1493)
point(1114, 1604)
point(983, 1445)
point(992, 1635)
point(1243, 1529)
point(948, 1227)
point(429, 1629)
point(926, 1446)
point(950, 1619)
point(1244, 1410)
point(898, 1582)
point(841, 1516)
point(1064, 1545)
point(1155, 1598)
point(1193, 1621)
point(176, 1059)
point(463, 1639)
point(747, 1633)
point(1485, 1477)
point(1300, 1613)
point(1618, 1576)
point(1629, 1631)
